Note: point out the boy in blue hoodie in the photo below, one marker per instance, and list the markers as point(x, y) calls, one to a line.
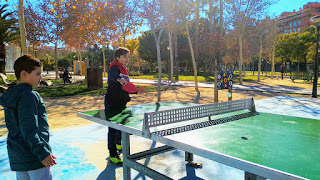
point(116, 98)
point(26, 119)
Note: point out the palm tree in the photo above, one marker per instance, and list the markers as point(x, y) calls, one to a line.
point(133, 46)
point(8, 33)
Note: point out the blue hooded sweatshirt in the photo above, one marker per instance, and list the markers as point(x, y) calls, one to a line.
point(28, 129)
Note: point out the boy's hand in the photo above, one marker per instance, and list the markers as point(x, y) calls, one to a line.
point(122, 81)
point(49, 161)
point(140, 90)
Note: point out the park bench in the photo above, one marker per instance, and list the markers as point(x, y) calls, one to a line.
point(306, 76)
point(8, 83)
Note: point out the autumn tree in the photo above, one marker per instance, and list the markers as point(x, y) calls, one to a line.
point(186, 10)
point(273, 34)
point(35, 28)
point(241, 11)
point(127, 19)
point(54, 15)
point(171, 28)
point(216, 32)
point(155, 13)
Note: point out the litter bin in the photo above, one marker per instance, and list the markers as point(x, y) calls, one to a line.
point(94, 78)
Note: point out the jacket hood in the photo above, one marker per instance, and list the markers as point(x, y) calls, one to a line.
point(122, 68)
point(10, 97)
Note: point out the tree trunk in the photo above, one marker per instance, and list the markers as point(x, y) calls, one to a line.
point(171, 54)
point(252, 65)
point(104, 62)
point(176, 54)
point(260, 59)
point(193, 58)
point(2, 58)
point(56, 59)
point(240, 60)
point(157, 39)
point(80, 61)
point(87, 62)
point(22, 28)
point(159, 69)
point(272, 60)
point(215, 94)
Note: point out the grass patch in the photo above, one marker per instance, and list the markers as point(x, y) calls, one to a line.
point(69, 90)
point(81, 89)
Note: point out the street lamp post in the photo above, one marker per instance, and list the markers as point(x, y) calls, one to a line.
point(316, 20)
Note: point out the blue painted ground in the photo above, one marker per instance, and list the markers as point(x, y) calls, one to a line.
point(82, 151)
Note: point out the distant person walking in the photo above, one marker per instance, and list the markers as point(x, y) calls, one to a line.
point(65, 76)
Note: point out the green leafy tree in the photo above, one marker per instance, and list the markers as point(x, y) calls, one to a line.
point(285, 47)
point(8, 33)
point(146, 49)
point(242, 11)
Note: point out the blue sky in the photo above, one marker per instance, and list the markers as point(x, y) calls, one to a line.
point(275, 10)
point(287, 6)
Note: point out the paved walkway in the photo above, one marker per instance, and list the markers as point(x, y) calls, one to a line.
point(261, 88)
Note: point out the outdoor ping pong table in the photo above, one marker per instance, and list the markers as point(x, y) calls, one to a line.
point(232, 133)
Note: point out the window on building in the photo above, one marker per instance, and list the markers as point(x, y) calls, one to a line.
point(294, 24)
point(290, 31)
point(299, 22)
point(285, 31)
point(294, 30)
point(291, 24)
point(298, 29)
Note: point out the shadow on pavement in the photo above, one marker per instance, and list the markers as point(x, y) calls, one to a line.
point(191, 174)
point(109, 172)
point(140, 175)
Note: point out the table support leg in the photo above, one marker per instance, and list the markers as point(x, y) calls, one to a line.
point(125, 155)
point(250, 176)
point(188, 157)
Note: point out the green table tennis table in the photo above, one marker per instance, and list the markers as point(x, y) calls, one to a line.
point(263, 145)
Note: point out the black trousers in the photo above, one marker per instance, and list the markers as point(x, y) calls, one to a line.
point(114, 135)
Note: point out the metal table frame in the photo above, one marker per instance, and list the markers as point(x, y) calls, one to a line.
point(252, 171)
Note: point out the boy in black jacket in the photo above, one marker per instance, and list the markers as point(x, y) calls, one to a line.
point(116, 98)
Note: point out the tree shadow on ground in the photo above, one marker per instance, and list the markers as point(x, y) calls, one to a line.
point(197, 99)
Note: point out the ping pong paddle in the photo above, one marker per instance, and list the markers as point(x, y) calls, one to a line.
point(129, 87)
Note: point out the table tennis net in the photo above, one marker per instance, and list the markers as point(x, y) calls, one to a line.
point(153, 119)
point(175, 130)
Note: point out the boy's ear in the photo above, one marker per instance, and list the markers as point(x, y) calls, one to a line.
point(23, 74)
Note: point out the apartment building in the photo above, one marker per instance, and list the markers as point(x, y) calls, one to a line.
point(290, 22)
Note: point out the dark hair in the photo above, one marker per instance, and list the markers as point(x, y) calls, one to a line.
point(121, 51)
point(25, 63)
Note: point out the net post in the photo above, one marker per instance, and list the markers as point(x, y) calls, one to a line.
point(146, 129)
point(253, 107)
